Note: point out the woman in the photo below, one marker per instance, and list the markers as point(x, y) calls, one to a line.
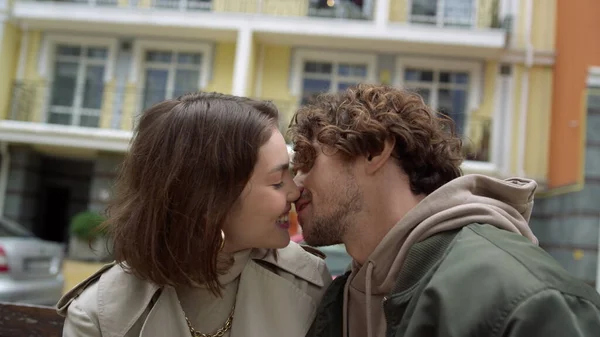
point(200, 231)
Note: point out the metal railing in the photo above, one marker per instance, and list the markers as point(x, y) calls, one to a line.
point(110, 107)
point(341, 9)
point(465, 14)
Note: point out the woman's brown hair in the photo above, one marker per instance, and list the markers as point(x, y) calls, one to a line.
point(189, 160)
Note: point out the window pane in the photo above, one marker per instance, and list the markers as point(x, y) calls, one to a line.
point(357, 70)
point(318, 67)
point(312, 87)
point(97, 53)
point(425, 94)
point(94, 87)
point(424, 11)
point(89, 121)
point(455, 78)
point(59, 118)
point(458, 12)
point(155, 87)
point(189, 58)
point(159, 56)
point(186, 81)
point(66, 50)
point(343, 86)
point(418, 75)
point(63, 87)
point(453, 103)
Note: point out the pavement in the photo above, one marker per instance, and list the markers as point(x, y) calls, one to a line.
point(77, 271)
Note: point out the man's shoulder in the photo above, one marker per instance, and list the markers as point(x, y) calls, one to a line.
point(502, 270)
point(484, 251)
point(516, 260)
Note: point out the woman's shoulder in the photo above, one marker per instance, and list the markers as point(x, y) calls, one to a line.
point(111, 296)
point(305, 264)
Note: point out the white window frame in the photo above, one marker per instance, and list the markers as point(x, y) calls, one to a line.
point(137, 74)
point(302, 56)
point(475, 71)
point(439, 18)
point(48, 58)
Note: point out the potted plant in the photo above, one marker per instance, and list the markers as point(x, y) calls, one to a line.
point(87, 241)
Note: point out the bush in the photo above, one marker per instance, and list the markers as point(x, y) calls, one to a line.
point(84, 225)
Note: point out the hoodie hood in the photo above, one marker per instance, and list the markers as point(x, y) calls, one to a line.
point(506, 204)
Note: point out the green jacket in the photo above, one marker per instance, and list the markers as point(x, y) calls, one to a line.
point(477, 281)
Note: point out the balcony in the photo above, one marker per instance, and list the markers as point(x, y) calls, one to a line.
point(87, 115)
point(341, 9)
point(340, 24)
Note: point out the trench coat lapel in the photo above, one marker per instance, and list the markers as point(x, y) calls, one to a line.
point(269, 305)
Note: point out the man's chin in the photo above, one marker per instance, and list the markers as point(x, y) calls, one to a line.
point(316, 240)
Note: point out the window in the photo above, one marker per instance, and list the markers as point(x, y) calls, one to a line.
point(78, 84)
point(443, 13)
point(321, 72)
point(183, 4)
point(444, 90)
point(347, 9)
point(167, 69)
point(453, 89)
point(169, 74)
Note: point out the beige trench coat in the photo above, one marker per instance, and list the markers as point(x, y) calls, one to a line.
point(275, 298)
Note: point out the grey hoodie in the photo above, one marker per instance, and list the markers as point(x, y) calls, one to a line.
point(506, 204)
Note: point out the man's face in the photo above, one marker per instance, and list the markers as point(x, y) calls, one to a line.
point(330, 200)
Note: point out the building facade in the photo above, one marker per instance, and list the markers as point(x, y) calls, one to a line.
point(75, 74)
point(566, 216)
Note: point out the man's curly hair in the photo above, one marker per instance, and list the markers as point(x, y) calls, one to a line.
point(357, 121)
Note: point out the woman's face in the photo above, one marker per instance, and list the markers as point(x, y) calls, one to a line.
point(260, 217)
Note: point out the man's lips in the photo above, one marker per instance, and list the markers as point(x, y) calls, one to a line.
point(300, 205)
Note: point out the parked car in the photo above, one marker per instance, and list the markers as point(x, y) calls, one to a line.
point(337, 260)
point(30, 268)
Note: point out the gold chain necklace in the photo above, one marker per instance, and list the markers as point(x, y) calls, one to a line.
point(222, 330)
point(219, 333)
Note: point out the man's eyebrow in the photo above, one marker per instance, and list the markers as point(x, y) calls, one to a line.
point(280, 167)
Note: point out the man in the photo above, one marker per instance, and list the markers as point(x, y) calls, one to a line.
point(434, 253)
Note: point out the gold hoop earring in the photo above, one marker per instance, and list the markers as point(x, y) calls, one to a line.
point(222, 240)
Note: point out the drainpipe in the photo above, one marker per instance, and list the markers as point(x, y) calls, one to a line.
point(522, 138)
point(4, 171)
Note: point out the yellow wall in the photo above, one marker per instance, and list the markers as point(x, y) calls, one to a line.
point(9, 56)
point(252, 64)
point(106, 113)
point(273, 7)
point(398, 10)
point(543, 33)
point(538, 121)
point(222, 72)
point(516, 111)
point(543, 30)
point(274, 84)
point(485, 13)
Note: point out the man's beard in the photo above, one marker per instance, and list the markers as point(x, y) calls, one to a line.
point(330, 229)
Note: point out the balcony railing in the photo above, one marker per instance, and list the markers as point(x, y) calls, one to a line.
point(108, 107)
point(344, 9)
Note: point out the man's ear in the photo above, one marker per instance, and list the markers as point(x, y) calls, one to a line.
point(375, 162)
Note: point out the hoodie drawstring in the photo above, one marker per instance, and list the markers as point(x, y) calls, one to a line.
point(368, 278)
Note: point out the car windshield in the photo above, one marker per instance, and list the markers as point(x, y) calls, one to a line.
point(10, 228)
